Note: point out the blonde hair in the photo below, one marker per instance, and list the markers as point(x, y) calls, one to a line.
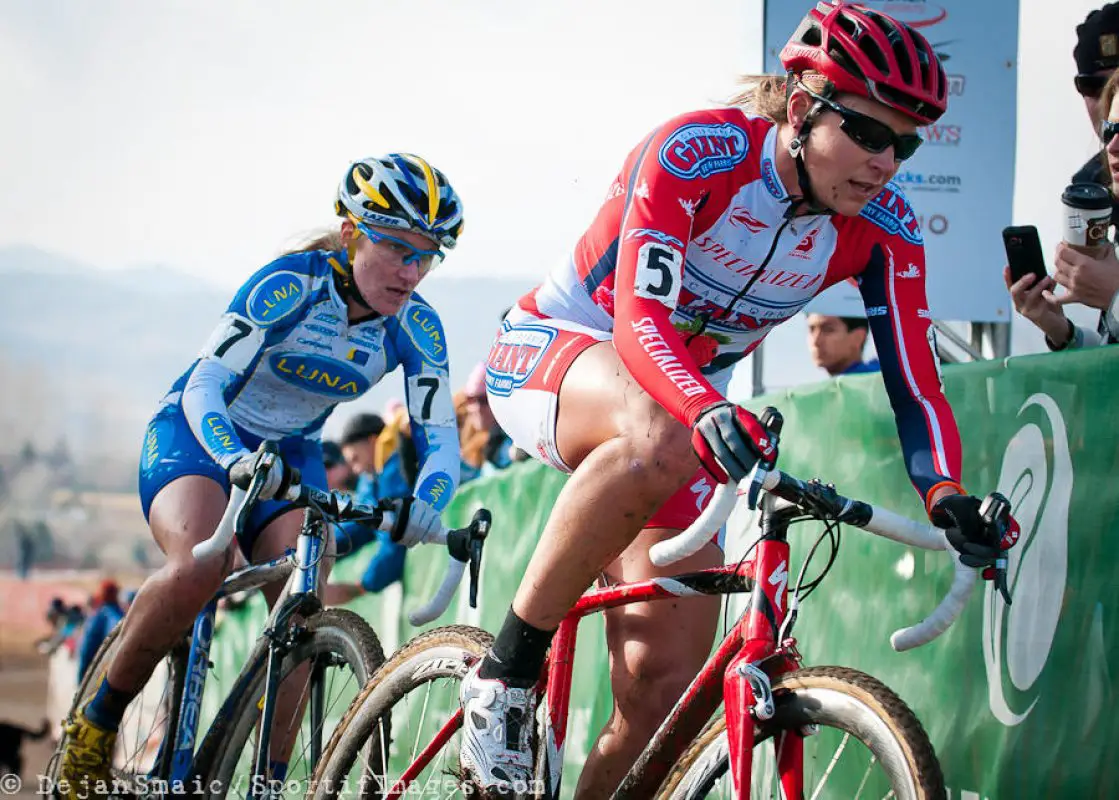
point(322, 240)
point(765, 95)
point(1107, 94)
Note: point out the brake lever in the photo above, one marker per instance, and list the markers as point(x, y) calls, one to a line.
point(995, 512)
point(1000, 580)
point(479, 530)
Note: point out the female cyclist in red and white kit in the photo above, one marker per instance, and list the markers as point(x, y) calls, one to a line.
point(721, 225)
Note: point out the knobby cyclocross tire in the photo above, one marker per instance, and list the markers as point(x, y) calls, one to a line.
point(334, 638)
point(836, 698)
point(422, 679)
point(149, 719)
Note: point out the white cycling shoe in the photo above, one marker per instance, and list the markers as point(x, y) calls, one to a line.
point(497, 733)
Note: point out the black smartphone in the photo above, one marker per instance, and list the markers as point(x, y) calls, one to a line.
point(1023, 252)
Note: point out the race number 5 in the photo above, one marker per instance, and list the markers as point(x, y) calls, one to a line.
point(659, 273)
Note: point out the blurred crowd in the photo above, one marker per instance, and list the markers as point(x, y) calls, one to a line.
point(82, 629)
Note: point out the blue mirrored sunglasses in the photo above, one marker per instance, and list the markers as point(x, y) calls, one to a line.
point(410, 254)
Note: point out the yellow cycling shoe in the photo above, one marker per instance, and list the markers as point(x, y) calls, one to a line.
point(84, 771)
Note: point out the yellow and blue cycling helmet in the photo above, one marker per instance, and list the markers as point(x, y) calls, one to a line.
point(404, 192)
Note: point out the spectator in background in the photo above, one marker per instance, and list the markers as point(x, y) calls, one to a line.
point(25, 543)
point(471, 439)
point(359, 439)
point(108, 612)
point(363, 455)
point(837, 344)
point(394, 454)
point(339, 475)
point(1088, 280)
point(1097, 55)
point(57, 617)
point(497, 448)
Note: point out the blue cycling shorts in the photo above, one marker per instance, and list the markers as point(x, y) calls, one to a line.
point(171, 451)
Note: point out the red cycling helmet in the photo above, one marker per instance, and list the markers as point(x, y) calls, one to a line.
point(864, 52)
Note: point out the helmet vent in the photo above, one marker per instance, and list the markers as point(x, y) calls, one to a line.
point(811, 36)
point(900, 99)
point(839, 56)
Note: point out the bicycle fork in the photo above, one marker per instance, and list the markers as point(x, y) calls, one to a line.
point(747, 694)
point(303, 584)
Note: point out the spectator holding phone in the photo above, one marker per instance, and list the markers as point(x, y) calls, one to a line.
point(1090, 279)
point(1097, 55)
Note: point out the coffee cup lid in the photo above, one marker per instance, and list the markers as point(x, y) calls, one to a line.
point(1089, 196)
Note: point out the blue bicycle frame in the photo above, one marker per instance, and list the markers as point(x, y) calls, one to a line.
point(299, 596)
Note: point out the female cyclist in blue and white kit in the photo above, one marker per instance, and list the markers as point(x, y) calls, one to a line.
point(306, 332)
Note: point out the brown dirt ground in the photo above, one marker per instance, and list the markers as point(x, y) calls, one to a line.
point(23, 671)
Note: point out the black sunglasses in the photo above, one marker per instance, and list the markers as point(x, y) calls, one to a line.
point(867, 132)
point(1108, 130)
point(1089, 85)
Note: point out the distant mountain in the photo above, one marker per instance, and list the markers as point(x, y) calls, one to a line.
point(108, 344)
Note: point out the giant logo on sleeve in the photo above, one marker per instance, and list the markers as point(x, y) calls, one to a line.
point(891, 212)
point(697, 151)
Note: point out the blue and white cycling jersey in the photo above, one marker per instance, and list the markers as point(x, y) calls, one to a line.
point(284, 355)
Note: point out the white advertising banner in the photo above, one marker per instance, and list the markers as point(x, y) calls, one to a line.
point(960, 184)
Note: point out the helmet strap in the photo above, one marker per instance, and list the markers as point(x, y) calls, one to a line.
point(347, 287)
point(807, 198)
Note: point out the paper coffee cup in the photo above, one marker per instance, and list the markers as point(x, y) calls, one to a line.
point(1087, 208)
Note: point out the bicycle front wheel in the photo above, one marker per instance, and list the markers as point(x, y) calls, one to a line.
point(404, 720)
point(335, 655)
point(867, 743)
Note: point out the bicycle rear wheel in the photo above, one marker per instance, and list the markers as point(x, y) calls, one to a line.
point(340, 653)
point(399, 714)
point(141, 757)
point(869, 744)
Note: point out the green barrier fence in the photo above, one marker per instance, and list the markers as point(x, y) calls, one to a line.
point(1018, 701)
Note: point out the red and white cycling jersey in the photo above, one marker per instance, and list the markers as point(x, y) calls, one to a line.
point(694, 230)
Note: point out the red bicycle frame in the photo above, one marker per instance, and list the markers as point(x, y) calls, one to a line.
point(750, 648)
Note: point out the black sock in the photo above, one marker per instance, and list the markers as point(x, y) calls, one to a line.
point(518, 653)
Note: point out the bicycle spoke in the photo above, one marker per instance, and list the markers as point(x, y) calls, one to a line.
point(307, 732)
point(423, 716)
point(831, 766)
point(866, 775)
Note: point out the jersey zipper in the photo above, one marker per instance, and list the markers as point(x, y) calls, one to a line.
point(706, 317)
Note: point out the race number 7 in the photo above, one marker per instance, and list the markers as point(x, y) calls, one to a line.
point(659, 273)
point(241, 329)
point(431, 386)
point(234, 343)
point(428, 400)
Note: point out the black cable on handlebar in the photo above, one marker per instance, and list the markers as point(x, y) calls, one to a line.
point(832, 532)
